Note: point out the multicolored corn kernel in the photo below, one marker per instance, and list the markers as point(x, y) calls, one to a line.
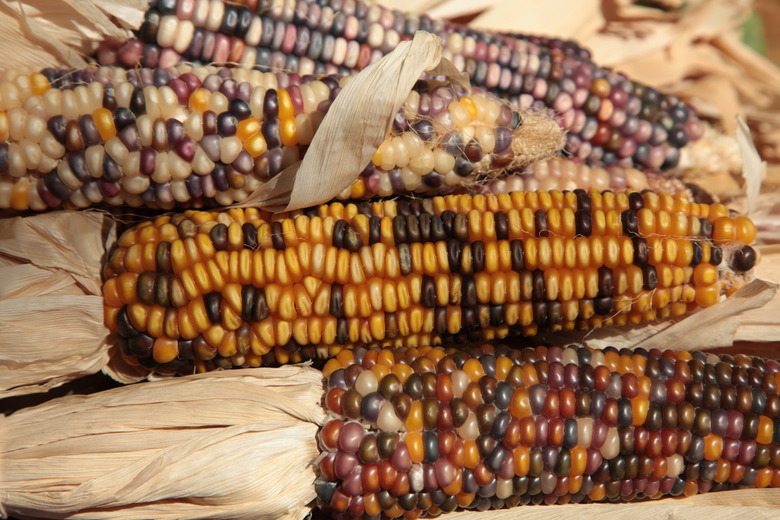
point(210, 136)
point(609, 119)
point(202, 290)
point(416, 432)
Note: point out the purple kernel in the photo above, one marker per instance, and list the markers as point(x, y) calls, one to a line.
point(148, 160)
point(344, 464)
point(243, 163)
point(400, 459)
point(350, 437)
point(175, 130)
point(185, 148)
point(181, 89)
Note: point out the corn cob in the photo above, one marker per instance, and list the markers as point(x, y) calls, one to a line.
point(609, 118)
point(210, 136)
point(418, 432)
point(221, 289)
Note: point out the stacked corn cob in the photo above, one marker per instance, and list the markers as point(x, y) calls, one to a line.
point(423, 431)
point(205, 290)
point(206, 136)
point(609, 118)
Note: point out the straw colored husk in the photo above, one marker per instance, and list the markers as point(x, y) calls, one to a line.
point(42, 33)
point(51, 307)
point(236, 444)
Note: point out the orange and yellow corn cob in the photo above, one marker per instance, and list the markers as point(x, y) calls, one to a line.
point(202, 290)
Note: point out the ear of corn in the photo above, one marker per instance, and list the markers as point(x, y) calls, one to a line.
point(609, 118)
point(422, 431)
point(210, 136)
point(203, 289)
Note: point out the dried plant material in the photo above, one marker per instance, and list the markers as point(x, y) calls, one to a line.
point(355, 126)
point(41, 33)
point(530, 17)
point(236, 444)
point(454, 8)
point(758, 504)
point(421, 6)
point(716, 326)
point(761, 324)
point(714, 153)
point(51, 304)
point(754, 171)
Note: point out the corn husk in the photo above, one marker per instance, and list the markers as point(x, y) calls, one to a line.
point(236, 444)
point(50, 299)
point(42, 33)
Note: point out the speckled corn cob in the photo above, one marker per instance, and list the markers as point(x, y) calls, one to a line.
point(203, 290)
point(609, 118)
point(210, 136)
point(419, 432)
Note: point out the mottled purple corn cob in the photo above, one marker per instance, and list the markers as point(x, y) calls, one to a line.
point(208, 136)
point(609, 118)
point(422, 431)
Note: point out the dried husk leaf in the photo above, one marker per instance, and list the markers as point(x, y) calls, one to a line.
point(754, 171)
point(235, 444)
point(763, 324)
point(531, 17)
point(51, 305)
point(41, 33)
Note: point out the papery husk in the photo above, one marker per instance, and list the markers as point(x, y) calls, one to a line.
point(235, 444)
point(42, 33)
point(763, 324)
point(51, 304)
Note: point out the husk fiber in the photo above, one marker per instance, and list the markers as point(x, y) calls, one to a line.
point(236, 444)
